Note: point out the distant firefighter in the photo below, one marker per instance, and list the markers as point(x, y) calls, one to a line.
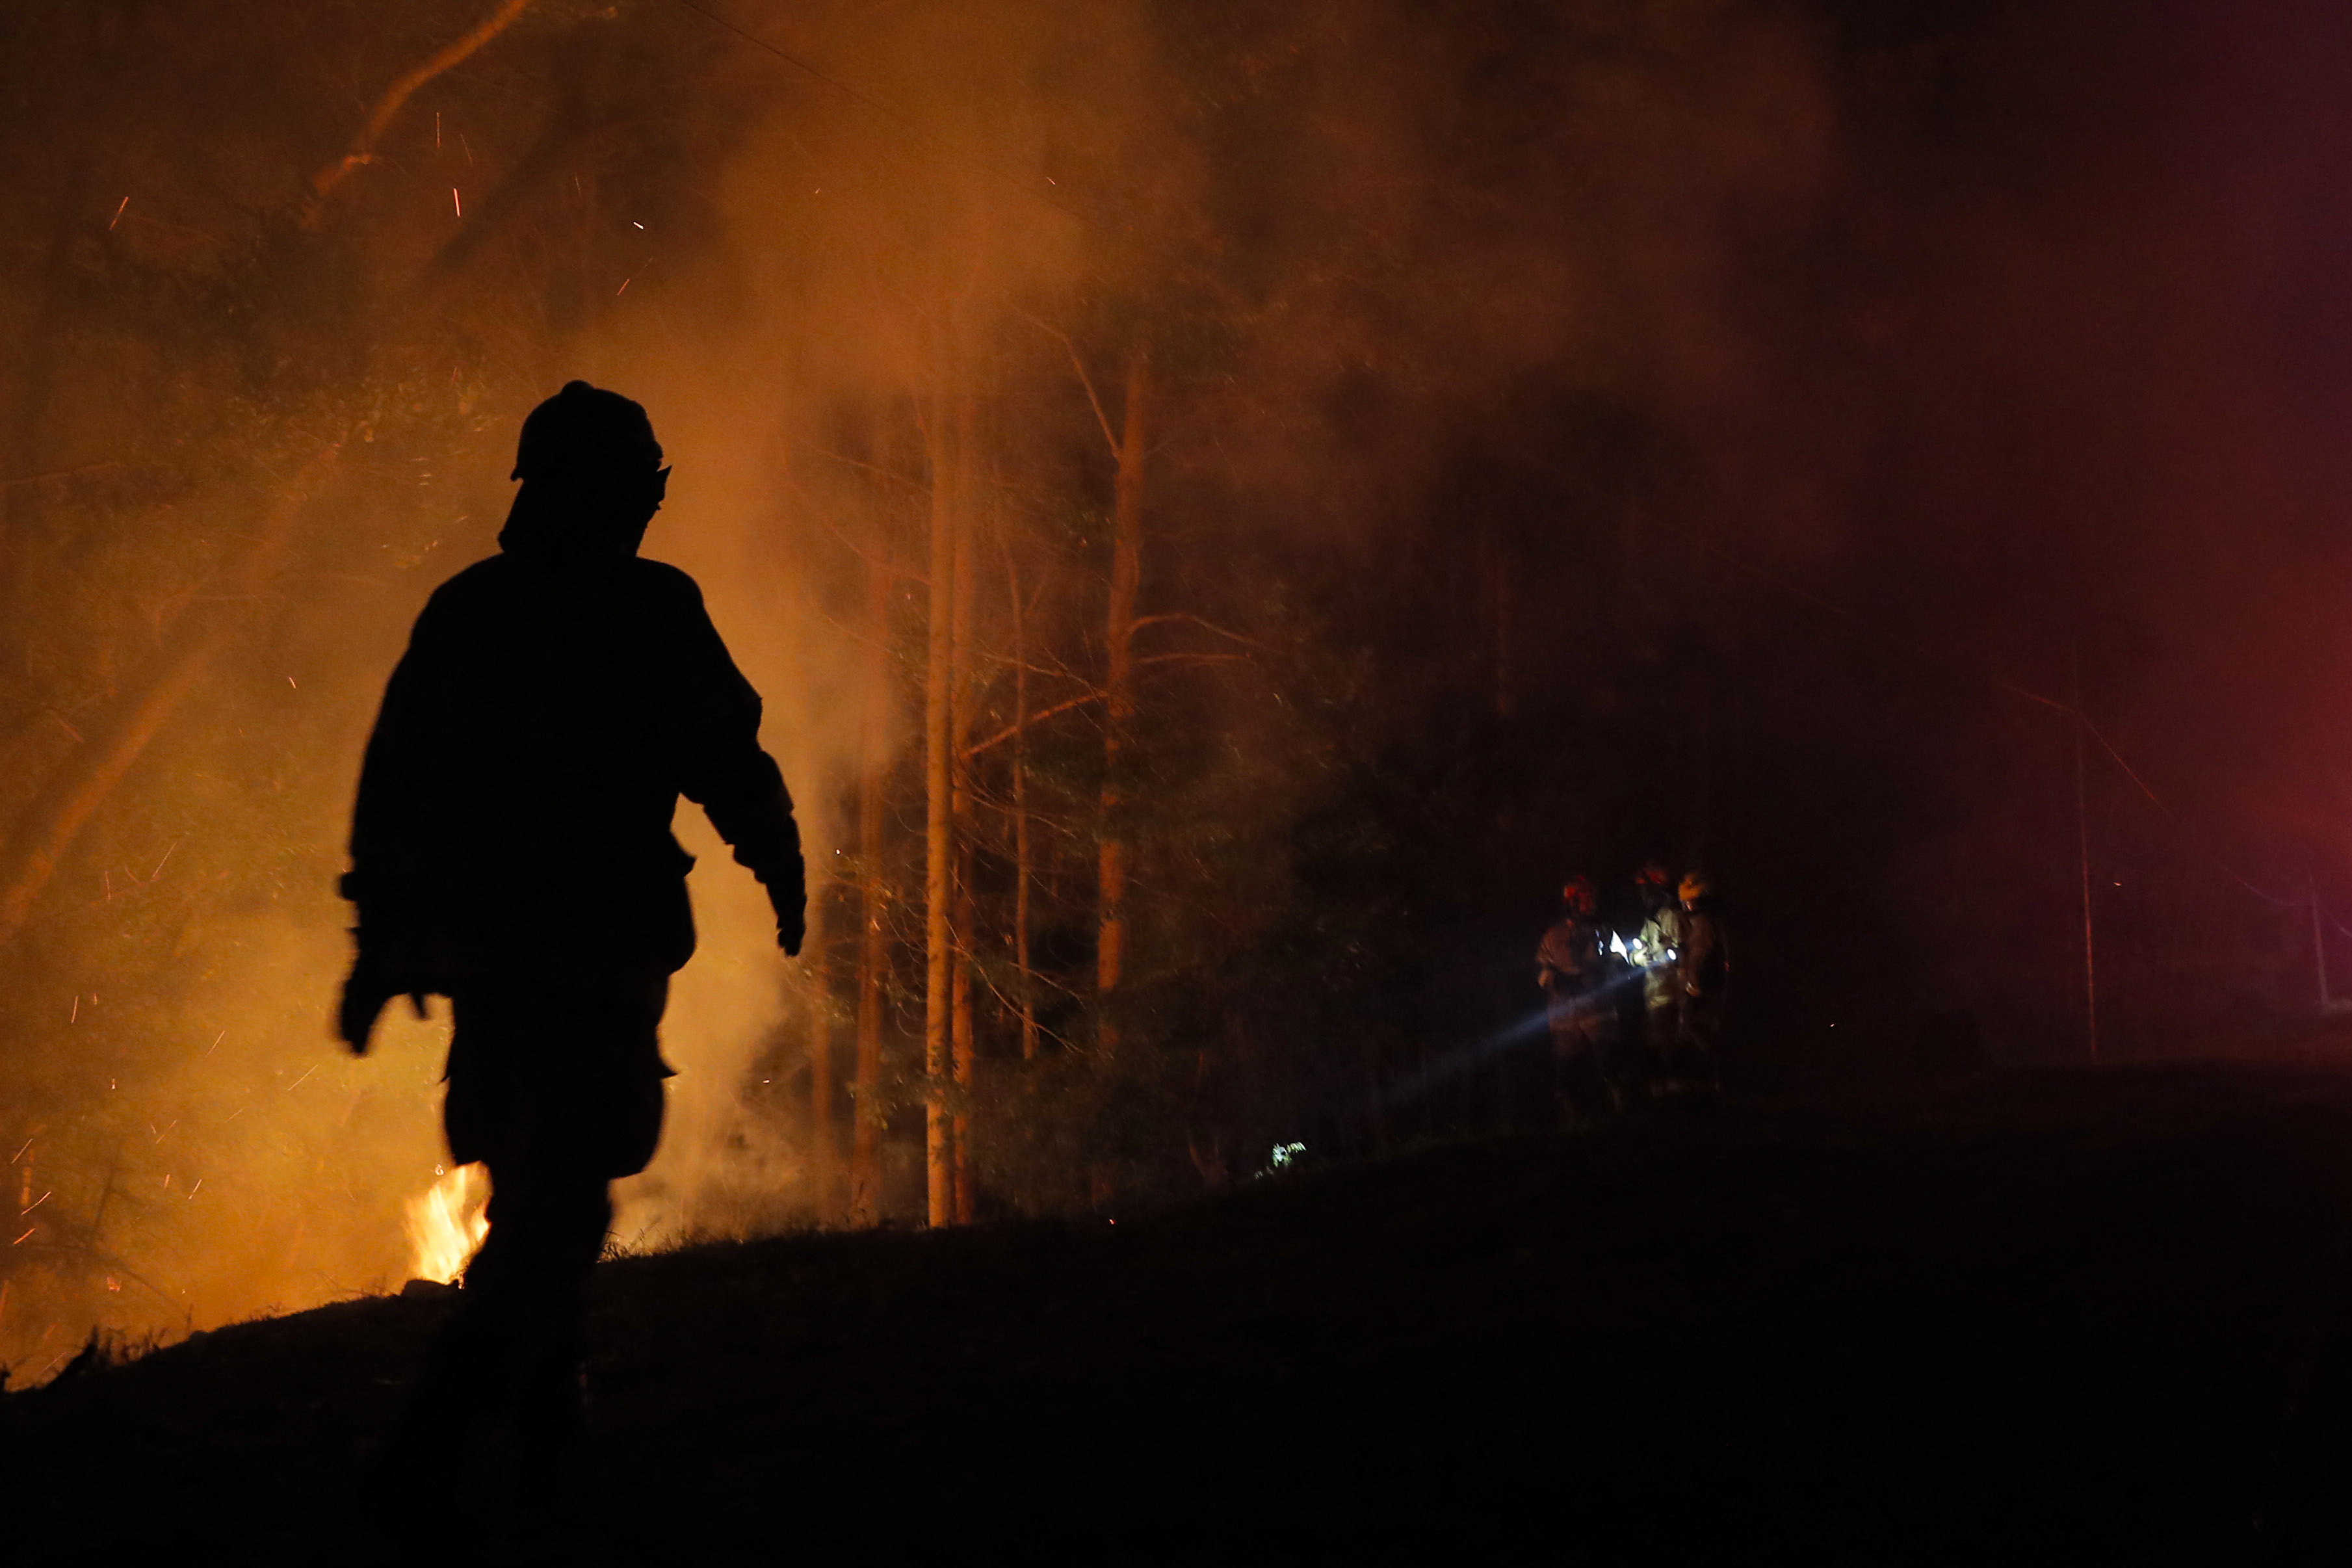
point(1654, 950)
point(1703, 980)
point(512, 850)
point(1574, 968)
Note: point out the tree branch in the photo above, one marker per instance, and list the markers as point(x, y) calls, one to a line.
point(913, 484)
point(1007, 733)
point(1142, 621)
point(1109, 436)
point(324, 182)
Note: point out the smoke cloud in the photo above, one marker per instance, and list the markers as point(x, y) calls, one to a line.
point(1823, 373)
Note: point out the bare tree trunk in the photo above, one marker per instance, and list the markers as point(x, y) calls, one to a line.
point(1119, 696)
point(939, 827)
point(1027, 997)
point(961, 692)
point(873, 950)
point(81, 783)
point(964, 1048)
point(824, 1158)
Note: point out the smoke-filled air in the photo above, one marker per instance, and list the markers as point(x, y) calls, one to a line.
point(1228, 506)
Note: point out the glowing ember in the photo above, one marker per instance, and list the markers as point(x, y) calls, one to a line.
point(447, 1223)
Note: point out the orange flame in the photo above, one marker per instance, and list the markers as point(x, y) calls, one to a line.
point(446, 1222)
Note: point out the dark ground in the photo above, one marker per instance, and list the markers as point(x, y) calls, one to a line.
point(2051, 1316)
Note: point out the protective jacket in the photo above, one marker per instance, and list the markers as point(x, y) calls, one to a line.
point(1661, 934)
point(1571, 957)
point(514, 807)
point(1703, 967)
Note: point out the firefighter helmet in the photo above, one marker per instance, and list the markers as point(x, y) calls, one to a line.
point(1694, 886)
point(1652, 874)
point(1579, 896)
point(586, 430)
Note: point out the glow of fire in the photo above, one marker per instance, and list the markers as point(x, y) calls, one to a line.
point(446, 1222)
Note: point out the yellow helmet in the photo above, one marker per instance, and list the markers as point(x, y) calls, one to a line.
point(1694, 887)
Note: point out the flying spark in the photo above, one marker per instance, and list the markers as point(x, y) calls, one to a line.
point(455, 202)
point(118, 215)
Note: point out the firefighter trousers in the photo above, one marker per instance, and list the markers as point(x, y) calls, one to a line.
point(556, 1085)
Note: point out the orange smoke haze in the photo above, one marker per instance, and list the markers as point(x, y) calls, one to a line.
point(764, 257)
point(1594, 370)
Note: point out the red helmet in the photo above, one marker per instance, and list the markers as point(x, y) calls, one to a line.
point(1654, 876)
point(1579, 896)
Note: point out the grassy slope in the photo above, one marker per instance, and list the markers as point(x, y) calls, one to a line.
point(2036, 1316)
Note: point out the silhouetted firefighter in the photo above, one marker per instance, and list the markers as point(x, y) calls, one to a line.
point(1703, 976)
point(512, 850)
point(1646, 998)
point(1573, 966)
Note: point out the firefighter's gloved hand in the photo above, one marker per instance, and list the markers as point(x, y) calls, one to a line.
point(788, 896)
